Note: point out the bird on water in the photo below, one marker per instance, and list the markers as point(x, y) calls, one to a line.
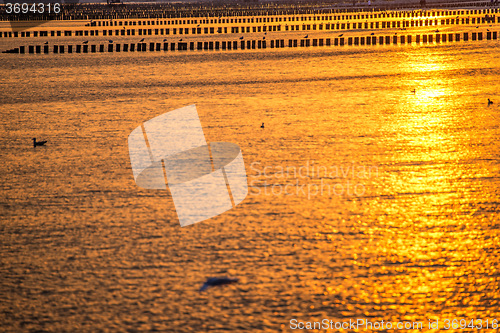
point(413, 91)
point(341, 35)
point(489, 102)
point(39, 143)
point(307, 36)
point(262, 126)
point(142, 40)
point(217, 281)
point(86, 42)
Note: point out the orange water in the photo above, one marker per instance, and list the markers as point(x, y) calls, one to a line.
point(82, 248)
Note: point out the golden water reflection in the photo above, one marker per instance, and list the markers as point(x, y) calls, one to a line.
point(421, 243)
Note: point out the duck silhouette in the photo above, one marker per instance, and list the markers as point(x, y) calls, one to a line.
point(489, 102)
point(262, 126)
point(218, 281)
point(39, 143)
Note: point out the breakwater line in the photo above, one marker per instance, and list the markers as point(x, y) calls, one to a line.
point(210, 26)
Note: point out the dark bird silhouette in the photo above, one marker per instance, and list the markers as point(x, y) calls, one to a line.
point(165, 40)
point(262, 126)
point(217, 281)
point(395, 33)
point(265, 33)
point(487, 29)
point(437, 30)
point(142, 40)
point(307, 36)
point(372, 33)
point(110, 41)
point(198, 25)
point(341, 35)
point(180, 40)
point(489, 102)
point(241, 37)
point(39, 143)
point(45, 43)
point(413, 91)
point(477, 27)
point(86, 42)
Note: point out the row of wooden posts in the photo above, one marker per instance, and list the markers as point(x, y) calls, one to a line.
point(133, 11)
point(281, 26)
point(255, 44)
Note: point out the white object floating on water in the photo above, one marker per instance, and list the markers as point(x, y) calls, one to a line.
point(39, 143)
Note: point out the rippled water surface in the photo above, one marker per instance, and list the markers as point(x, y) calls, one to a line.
point(412, 234)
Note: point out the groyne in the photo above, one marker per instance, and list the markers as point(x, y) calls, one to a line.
point(252, 44)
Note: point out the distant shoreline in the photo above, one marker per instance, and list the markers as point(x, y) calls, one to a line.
point(187, 9)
